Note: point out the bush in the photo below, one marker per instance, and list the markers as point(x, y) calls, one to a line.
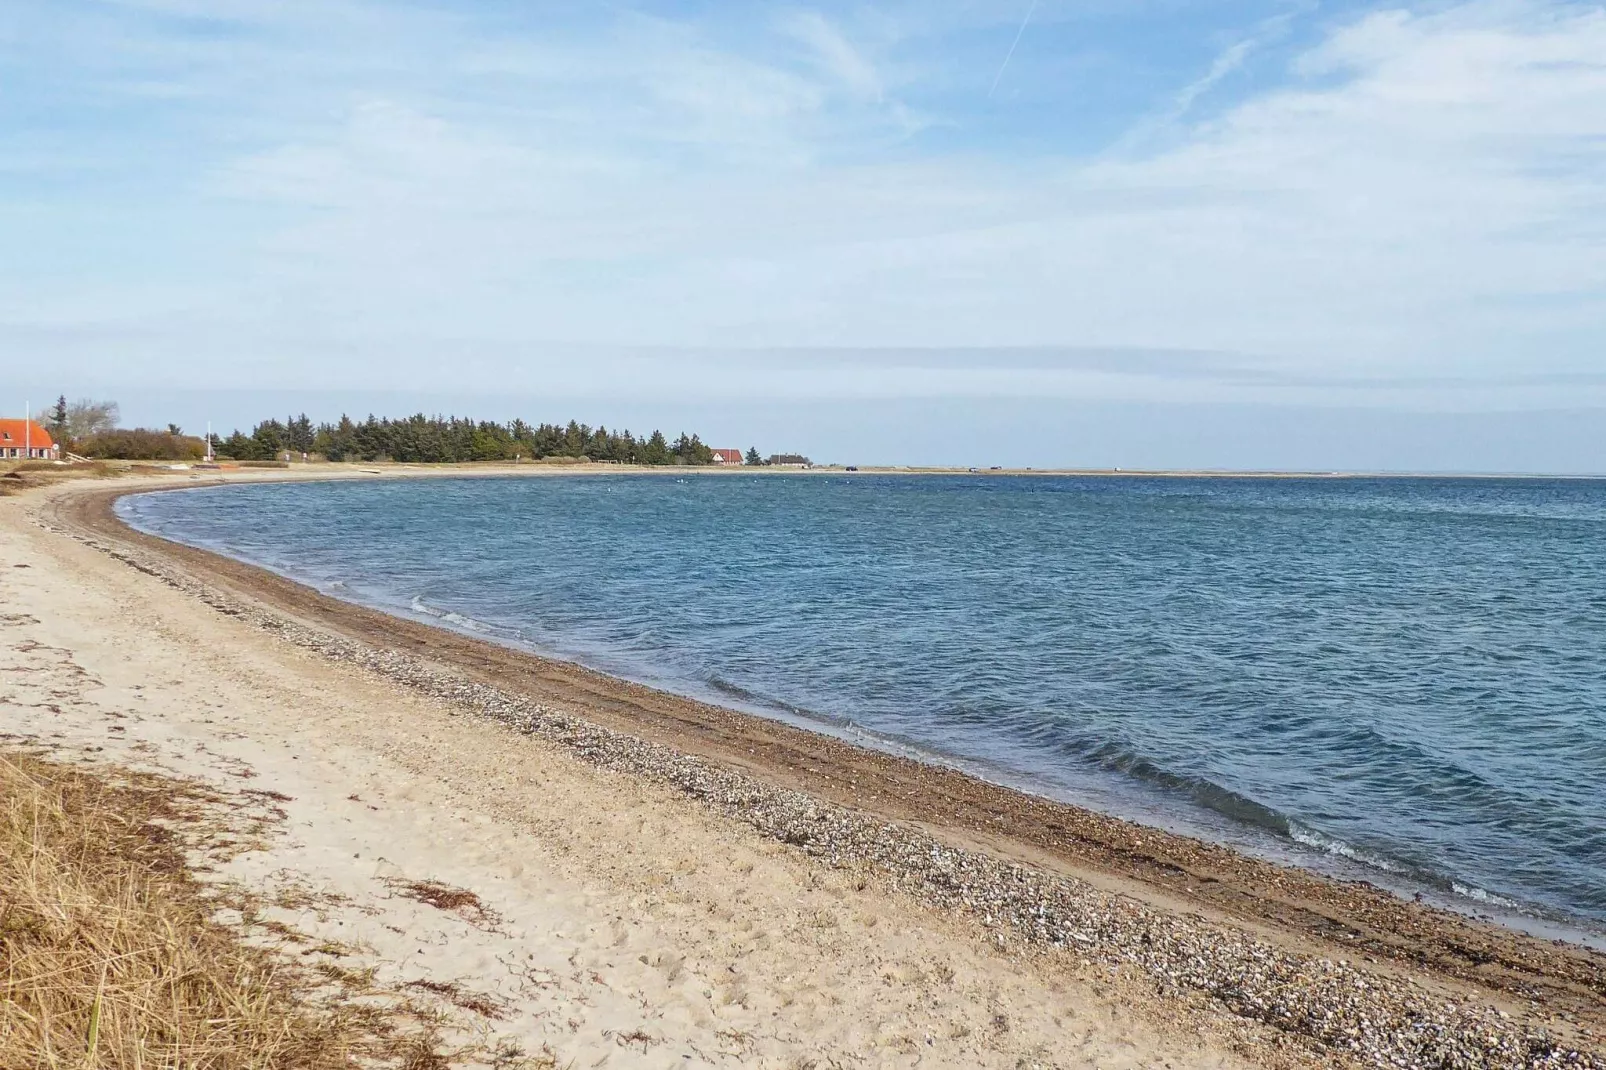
point(141, 444)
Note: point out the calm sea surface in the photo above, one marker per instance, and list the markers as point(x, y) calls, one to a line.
point(1398, 679)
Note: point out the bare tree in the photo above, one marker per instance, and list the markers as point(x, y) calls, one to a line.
point(86, 417)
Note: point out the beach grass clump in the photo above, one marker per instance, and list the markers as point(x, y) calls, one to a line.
point(110, 951)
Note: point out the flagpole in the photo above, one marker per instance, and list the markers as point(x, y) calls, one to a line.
point(27, 431)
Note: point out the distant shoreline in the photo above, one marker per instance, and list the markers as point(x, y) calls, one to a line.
point(351, 469)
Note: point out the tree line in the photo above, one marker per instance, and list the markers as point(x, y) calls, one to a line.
point(90, 428)
point(421, 439)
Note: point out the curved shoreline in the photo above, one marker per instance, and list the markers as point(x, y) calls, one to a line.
point(1267, 841)
point(1302, 912)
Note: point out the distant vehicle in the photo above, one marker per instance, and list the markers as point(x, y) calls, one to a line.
point(996, 468)
point(971, 469)
point(852, 468)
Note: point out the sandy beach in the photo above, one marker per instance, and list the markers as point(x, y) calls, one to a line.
point(667, 883)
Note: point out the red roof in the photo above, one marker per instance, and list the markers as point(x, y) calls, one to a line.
point(24, 433)
point(729, 456)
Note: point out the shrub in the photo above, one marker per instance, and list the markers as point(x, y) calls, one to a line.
point(142, 444)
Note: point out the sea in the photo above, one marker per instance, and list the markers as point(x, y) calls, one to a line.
point(1398, 680)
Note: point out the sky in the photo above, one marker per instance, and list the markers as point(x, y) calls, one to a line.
point(1242, 233)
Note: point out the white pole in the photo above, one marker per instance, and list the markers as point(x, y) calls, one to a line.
point(209, 442)
point(27, 431)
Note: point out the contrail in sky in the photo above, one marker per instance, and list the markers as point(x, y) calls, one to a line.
point(1008, 56)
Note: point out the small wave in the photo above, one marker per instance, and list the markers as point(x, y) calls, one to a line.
point(456, 620)
point(1117, 758)
point(758, 699)
point(1246, 811)
point(1309, 837)
point(1481, 895)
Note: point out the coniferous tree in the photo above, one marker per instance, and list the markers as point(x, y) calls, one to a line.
point(299, 435)
point(269, 439)
point(753, 459)
point(239, 447)
point(443, 440)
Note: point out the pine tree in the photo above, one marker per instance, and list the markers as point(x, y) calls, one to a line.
point(442, 439)
point(240, 447)
point(753, 459)
point(298, 434)
point(58, 420)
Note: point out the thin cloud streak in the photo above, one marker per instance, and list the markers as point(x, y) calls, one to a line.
point(1002, 67)
point(1227, 62)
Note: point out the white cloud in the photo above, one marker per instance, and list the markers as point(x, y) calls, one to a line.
point(835, 54)
point(1424, 198)
point(1232, 58)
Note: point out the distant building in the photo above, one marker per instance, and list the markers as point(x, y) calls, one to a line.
point(25, 440)
point(727, 456)
point(789, 460)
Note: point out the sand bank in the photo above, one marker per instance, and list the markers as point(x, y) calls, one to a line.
point(778, 896)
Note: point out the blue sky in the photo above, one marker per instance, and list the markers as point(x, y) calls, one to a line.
point(707, 207)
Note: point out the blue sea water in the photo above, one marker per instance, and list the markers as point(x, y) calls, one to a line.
point(1403, 680)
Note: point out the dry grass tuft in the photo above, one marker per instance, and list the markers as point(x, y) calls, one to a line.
point(110, 955)
point(17, 477)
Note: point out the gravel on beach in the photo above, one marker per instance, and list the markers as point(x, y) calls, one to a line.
point(1333, 1007)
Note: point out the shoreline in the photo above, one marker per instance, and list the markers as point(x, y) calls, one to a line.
point(539, 901)
point(313, 470)
point(1110, 796)
point(1124, 803)
point(974, 823)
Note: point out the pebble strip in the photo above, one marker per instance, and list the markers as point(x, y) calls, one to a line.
point(1332, 1007)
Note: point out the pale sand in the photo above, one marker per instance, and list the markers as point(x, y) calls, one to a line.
point(637, 928)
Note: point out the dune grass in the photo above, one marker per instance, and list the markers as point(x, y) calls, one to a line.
point(111, 954)
point(19, 476)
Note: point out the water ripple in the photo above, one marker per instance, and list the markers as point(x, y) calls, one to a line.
point(1403, 675)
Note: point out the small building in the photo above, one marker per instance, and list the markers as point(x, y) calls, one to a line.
point(25, 440)
point(727, 456)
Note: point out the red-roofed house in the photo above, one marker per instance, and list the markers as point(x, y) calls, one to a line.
point(727, 456)
point(25, 440)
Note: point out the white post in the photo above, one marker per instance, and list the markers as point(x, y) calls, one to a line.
point(27, 431)
point(209, 442)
